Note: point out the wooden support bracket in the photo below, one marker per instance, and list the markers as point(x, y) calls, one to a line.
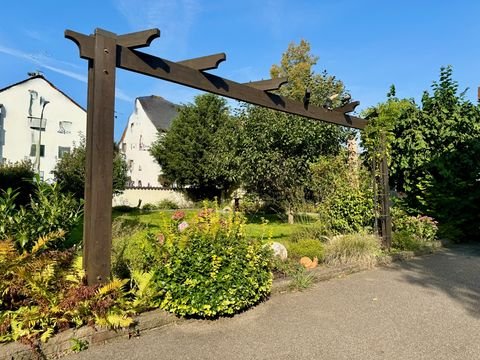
point(348, 107)
point(204, 63)
point(268, 85)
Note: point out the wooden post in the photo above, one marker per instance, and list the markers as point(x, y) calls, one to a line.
point(385, 197)
point(97, 231)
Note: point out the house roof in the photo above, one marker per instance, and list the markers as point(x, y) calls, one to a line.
point(160, 111)
point(40, 76)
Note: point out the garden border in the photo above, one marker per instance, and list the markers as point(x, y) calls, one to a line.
point(62, 343)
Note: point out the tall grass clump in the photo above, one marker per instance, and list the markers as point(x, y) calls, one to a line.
point(355, 249)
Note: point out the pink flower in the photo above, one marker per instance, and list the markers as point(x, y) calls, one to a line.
point(182, 226)
point(205, 212)
point(161, 238)
point(178, 215)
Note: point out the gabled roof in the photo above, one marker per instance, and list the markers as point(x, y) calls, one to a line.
point(39, 76)
point(160, 111)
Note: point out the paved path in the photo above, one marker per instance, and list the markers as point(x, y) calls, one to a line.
point(426, 308)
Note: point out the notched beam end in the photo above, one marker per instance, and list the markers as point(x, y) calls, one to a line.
point(204, 63)
point(84, 43)
point(138, 39)
point(348, 107)
point(268, 85)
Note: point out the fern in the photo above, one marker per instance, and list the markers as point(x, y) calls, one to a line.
point(112, 286)
point(43, 241)
point(77, 273)
point(47, 334)
point(117, 321)
point(7, 249)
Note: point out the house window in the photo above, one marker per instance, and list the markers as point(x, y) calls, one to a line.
point(62, 150)
point(33, 150)
point(124, 147)
point(65, 127)
point(130, 164)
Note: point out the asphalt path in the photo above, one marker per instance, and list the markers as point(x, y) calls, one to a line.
point(424, 308)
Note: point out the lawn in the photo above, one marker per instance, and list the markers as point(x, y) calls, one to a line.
point(264, 226)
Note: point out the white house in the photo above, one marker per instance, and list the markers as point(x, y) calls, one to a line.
point(151, 115)
point(38, 122)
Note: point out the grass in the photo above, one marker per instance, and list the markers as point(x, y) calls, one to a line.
point(355, 249)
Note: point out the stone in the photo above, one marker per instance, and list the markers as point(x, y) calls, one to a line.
point(279, 250)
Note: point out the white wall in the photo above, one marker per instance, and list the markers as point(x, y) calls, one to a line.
point(139, 134)
point(131, 197)
point(17, 137)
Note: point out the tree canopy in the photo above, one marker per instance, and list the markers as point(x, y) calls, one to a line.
point(277, 148)
point(434, 150)
point(199, 150)
point(70, 171)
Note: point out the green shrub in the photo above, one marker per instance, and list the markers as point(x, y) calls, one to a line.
point(306, 247)
point(167, 204)
point(344, 195)
point(355, 249)
point(18, 176)
point(210, 267)
point(124, 208)
point(161, 205)
point(412, 232)
point(135, 247)
point(406, 241)
point(49, 210)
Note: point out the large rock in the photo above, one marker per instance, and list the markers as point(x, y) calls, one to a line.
point(279, 250)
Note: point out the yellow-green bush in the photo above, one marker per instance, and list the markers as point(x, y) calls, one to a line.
point(210, 267)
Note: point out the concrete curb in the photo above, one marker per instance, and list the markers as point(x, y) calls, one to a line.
point(62, 343)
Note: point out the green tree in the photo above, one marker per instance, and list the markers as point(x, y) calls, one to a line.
point(199, 150)
point(277, 148)
point(434, 154)
point(70, 171)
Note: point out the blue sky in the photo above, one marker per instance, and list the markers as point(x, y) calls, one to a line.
point(368, 44)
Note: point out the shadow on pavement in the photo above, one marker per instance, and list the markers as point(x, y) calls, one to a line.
point(454, 270)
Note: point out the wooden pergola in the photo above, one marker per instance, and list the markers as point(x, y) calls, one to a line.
point(105, 51)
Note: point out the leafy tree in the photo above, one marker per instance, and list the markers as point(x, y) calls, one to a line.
point(199, 150)
point(70, 171)
point(344, 194)
point(434, 155)
point(277, 148)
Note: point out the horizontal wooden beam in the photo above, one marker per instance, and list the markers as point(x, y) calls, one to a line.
point(267, 85)
point(348, 107)
point(204, 63)
point(150, 65)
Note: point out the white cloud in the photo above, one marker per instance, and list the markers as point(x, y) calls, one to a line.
point(51, 64)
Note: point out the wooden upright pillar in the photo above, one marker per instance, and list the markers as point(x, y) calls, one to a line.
point(97, 230)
